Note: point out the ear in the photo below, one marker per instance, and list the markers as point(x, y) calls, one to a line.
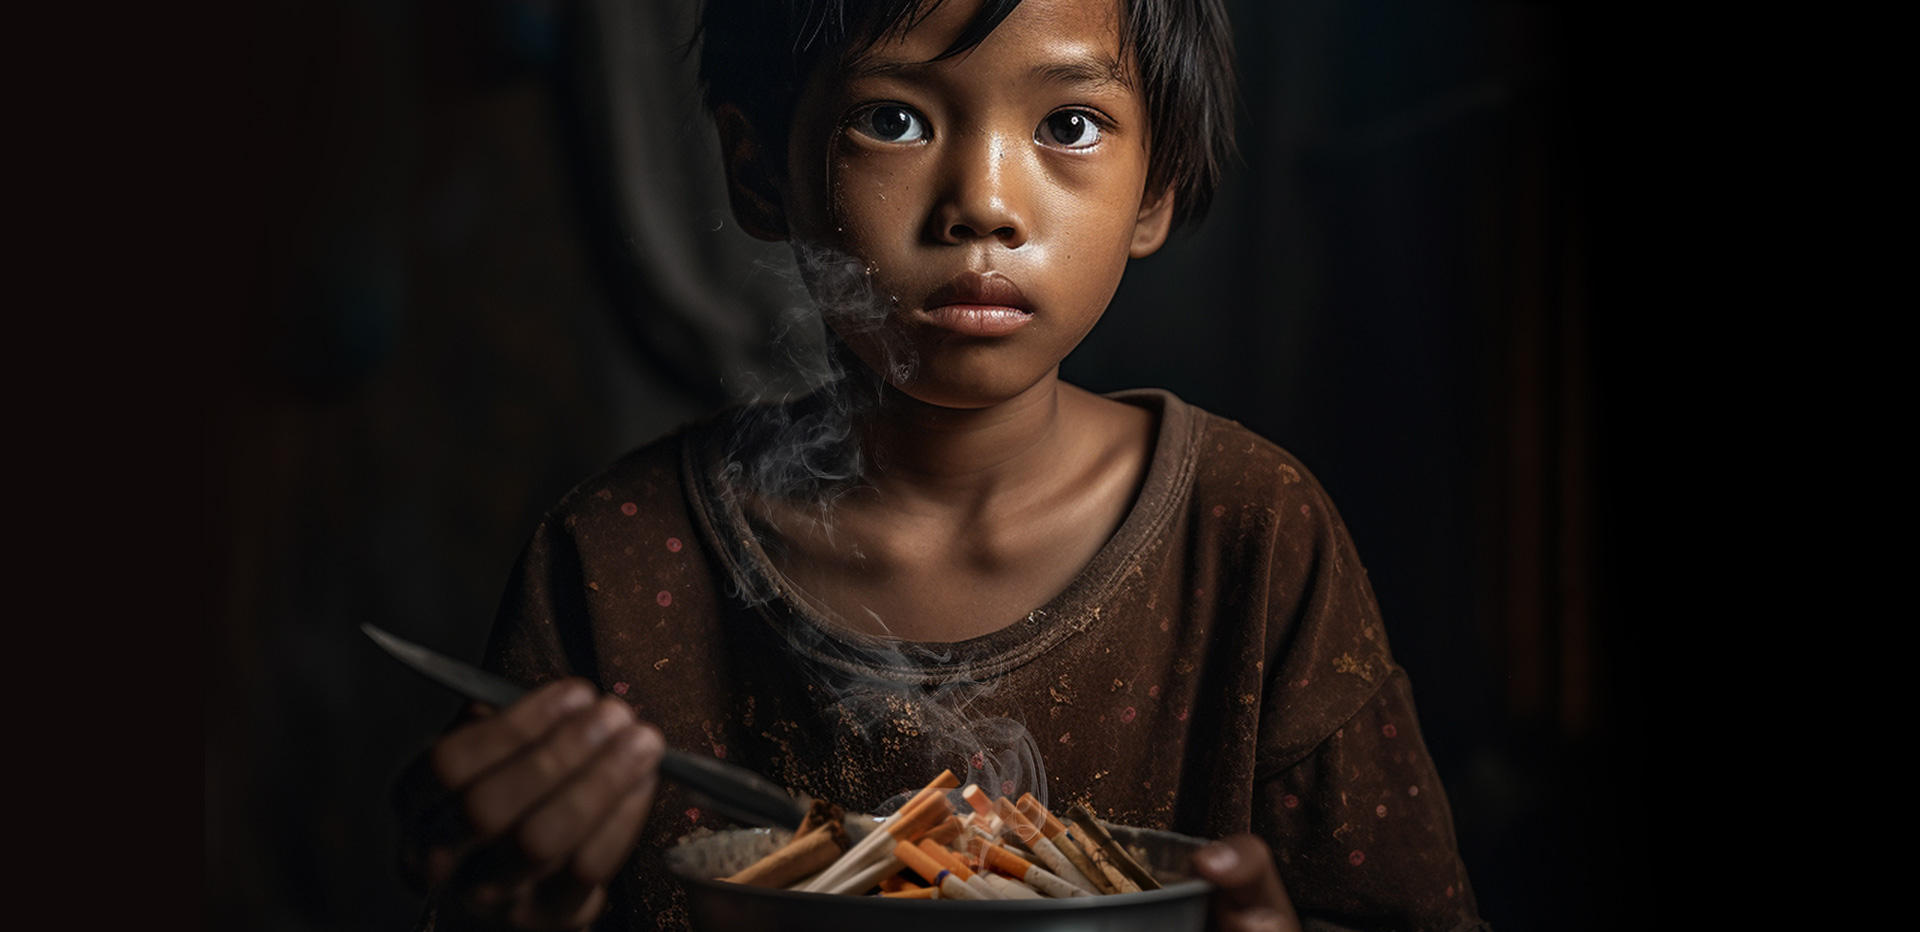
point(1150, 229)
point(753, 187)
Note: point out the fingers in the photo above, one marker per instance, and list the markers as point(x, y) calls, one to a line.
point(553, 819)
point(574, 895)
point(510, 792)
point(479, 746)
point(1250, 897)
point(601, 855)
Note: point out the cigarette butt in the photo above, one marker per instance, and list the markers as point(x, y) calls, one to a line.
point(874, 846)
point(977, 798)
point(1033, 875)
point(913, 893)
point(1070, 846)
point(1114, 876)
point(1016, 824)
point(1047, 852)
point(1040, 817)
point(895, 881)
point(819, 815)
point(945, 858)
point(796, 859)
point(945, 832)
point(1096, 835)
point(959, 868)
point(884, 865)
point(931, 870)
point(1011, 889)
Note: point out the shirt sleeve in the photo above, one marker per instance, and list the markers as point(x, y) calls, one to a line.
point(1361, 829)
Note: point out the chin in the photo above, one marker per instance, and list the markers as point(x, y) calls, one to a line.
point(967, 392)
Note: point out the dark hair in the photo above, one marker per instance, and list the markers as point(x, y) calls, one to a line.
point(757, 55)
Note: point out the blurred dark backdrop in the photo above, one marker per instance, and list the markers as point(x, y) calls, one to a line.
point(496, 255)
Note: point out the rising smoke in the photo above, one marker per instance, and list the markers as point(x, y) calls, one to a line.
point(799, 444)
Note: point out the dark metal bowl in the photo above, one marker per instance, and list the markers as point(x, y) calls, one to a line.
point(717, 906)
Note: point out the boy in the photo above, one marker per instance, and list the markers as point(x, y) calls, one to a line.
point(950, 558)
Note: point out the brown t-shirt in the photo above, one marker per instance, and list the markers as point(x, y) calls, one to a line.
point(1219, 667)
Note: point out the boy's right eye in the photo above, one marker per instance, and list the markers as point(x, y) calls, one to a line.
point(891, 123)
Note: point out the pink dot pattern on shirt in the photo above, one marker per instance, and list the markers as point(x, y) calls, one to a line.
point(1308, 510)
point(1356, 857)
point(1380, 811)
point(1219, 511)
point(1126, 714)
point(673, 545)
point(629, 509)
point(1006, 787)
point(665, 598)
point(693, 815)
point(720, 751)
point(1154, 690)
point(1290, 801)
point(620, 689)
point(1389, 731)
point(1413, 791)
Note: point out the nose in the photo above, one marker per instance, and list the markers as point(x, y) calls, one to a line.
point(982, 194)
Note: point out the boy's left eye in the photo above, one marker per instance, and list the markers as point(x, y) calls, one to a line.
point(1068, 129)
point(891, 123)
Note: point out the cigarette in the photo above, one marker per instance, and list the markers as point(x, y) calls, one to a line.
point(1032, 875)
point(945, 832)
point(948, 860)
point(864, 879)
point(798, 858)
point(897, 882)
point(950, 884)
point(914, 893)
point(875, 845)
point(1093, 835)
point(1084, 875)
point(1042, 848)
point(1009, 888)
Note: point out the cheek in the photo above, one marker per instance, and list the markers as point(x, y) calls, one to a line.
point(870, 202)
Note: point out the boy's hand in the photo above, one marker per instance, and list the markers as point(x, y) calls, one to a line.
point(545, 801)
point(1250, 897)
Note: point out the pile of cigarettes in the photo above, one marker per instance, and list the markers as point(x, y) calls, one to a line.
point(1000, 850)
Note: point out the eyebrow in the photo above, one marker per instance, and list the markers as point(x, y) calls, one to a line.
point(1098, 70)
point(1093, 70)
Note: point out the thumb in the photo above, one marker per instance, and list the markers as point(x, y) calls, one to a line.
point(1250, 897)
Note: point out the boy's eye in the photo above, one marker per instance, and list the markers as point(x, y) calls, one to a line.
point(891, 123)
point(1069, 129)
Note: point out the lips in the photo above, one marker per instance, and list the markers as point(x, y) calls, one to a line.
point(979, 304)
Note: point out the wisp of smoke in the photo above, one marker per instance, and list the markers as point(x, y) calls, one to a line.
point(799, 446)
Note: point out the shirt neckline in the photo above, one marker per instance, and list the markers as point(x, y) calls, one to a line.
point(1074, 610)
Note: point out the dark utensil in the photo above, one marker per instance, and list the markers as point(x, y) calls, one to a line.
point(735, 791)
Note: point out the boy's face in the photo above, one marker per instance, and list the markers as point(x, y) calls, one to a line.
point(993, 199)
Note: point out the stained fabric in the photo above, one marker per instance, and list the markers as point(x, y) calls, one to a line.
point(1221, 666)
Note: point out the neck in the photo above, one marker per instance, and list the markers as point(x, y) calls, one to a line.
point(959, 455)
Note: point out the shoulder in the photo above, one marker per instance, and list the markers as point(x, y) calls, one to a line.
point(1234, 461)
point(1258, 493)
point(1286, 571)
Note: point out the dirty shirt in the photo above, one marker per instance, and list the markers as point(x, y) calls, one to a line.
point(1219, 667)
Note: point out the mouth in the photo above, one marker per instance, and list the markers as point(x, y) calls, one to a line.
point(979, 304)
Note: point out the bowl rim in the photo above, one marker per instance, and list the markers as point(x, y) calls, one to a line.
point(1179, 889)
